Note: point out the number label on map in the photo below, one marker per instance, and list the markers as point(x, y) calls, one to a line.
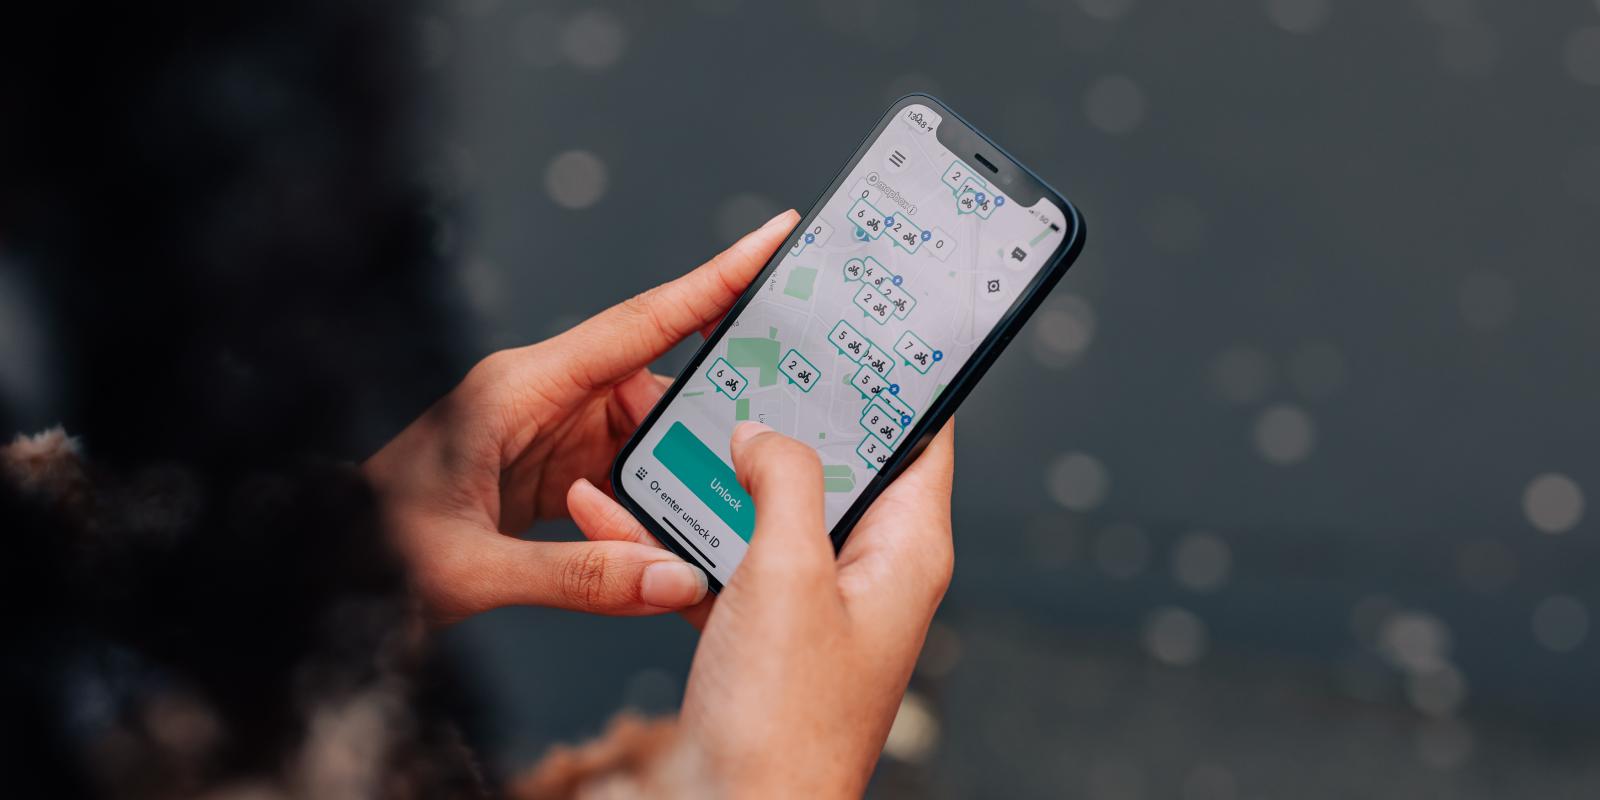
point(798, 370)
point(867, 218)
point(870, 384)
point(915, 352)
point(940, 245)
point(874, 305)
point(879, 361)
point(903, 302)
point(907, 236)
point(897, 405)
point(725, 379)
point(849, 341)
point(882, 423)
point(873, 451)
point(816, 234)
point(956, 177)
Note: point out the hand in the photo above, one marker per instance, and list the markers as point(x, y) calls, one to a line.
point(504, 448)
point(804, 659)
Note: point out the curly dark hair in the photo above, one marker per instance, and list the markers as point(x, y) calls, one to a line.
point(217, 212)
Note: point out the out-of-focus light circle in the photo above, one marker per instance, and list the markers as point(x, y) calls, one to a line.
point(1561, 623)
point(914, 736)
point(484, 286)
point(575, 179)
point(1105, 9)
point(1553, 503)
point(1444, 744)
point(1317, 369)
point(1078, 481)
point(742, 213)
point(593, 39)
point(1114, 104)
point(1470, 51)
point(1241, 375)
point(1486, 300)
point(1062, 331)
point(1582, 55)
point(1200, 561)
point(1210, 782)
point(1122, 551)
point(1415, 642)
point(1284, 435)
point(1298, 16)
point(1175, 636)
point(1438, 693)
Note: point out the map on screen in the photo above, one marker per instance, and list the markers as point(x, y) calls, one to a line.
point(891, 288)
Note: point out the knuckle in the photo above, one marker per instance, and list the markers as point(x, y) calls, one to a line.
point(645, 308)
point(492, 370)
point(584, 576)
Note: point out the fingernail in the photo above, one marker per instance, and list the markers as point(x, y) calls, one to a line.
point(672, 584)
point(745, 431)
point(782, 215)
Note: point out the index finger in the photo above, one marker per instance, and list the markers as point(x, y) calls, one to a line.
point(628, 336)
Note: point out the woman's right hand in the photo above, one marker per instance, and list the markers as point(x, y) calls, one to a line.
point(804, 658)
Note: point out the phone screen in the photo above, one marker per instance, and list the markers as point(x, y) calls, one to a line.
point(888, 292)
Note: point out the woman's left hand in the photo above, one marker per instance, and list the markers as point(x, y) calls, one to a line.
point(528, 425)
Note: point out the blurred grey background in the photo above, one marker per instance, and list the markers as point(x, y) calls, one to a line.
point(1284, 493)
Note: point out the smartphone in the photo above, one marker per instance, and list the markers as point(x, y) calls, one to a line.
point(860, 337)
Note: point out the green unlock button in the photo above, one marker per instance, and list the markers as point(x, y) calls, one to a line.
point(711, 480)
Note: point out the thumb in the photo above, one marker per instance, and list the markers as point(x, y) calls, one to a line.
point(784, 478)
point(615, 578)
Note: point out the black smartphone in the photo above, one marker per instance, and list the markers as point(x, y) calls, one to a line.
point(861, 336)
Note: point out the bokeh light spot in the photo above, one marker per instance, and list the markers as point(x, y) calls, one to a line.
point(1062, 331)
point(1078, 481)
point(1241, 375)
point(1284, 435)
point(593, 39)
point(1201, 561)
point(1561, 623)
point(1553, 503)
point(914, 736)
point(1175, 636)
point(1415, 642)
point(575, 179)
point(1582, 55)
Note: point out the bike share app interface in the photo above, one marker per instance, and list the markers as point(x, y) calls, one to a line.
point(889, 291)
